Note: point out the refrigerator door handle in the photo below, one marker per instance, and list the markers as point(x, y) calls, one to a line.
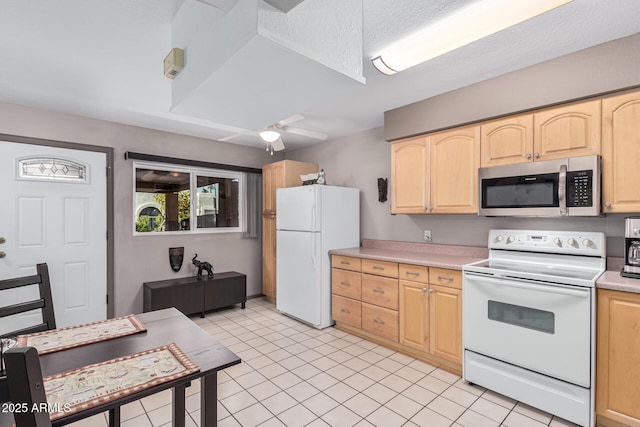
point(313, 250)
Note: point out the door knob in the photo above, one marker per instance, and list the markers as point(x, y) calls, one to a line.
point(2, 254)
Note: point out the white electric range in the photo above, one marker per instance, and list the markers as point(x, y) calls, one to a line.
point(529, 319)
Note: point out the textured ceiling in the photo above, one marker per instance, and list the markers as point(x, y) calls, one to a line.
point(103, 59)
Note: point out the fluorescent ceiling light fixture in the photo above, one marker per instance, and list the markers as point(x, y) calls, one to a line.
point(468, 24)
point(269, 135)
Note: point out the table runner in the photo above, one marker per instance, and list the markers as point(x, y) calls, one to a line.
point(84, 388)
point(75, 336)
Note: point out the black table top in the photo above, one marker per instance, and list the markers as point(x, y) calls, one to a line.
point(163, 327)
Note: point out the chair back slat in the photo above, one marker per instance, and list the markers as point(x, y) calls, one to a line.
point(19, 282)
point(28, 330)
point(21, 307)
point(44, 302)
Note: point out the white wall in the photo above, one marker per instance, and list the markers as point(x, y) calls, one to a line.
point(145, 258)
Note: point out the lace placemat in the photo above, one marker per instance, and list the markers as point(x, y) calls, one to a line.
point(84, 388)
point(75, 336)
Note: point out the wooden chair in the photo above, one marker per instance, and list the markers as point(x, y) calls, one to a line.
point(44, 303)
point(26, 386)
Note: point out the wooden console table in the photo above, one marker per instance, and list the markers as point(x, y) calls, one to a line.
point(191, 296)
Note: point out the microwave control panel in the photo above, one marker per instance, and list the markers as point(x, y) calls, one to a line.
point(579, 188)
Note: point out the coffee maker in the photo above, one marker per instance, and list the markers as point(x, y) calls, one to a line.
point(631, 248)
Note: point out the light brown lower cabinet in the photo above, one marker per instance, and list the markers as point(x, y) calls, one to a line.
point(431, 314)
point(409, 308)
point(445, 323)
point(618, 359)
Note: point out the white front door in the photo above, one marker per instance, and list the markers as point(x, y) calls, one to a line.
point(53, 209)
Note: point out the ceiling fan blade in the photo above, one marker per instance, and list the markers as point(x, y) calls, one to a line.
point(278, 145)
point(289, 120)
point(305, 132)
point(230, 137)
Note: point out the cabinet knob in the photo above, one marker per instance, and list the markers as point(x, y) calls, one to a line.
point(430, 291)
point(3, 254)
point(528, 155)
point(424, 289)
point(536, 155)
point(607, 205)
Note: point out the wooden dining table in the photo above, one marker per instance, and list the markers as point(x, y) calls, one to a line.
point(162, 328)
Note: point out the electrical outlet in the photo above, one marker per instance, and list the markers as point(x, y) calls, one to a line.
point(427, 235)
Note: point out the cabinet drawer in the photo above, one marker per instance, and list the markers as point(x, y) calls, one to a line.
point(380, 268)
point(347, 311)
point(415, 273)
point(345, 262)
point(445, 277)
point(346, 283)
point(382, 291)
point(380, 321)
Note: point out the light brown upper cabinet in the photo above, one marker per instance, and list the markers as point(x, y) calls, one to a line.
point(409, 175)
point(436, 173)
point(282, 174)
point(569, 131)
point(507, 141)
point(454, 158)
point(554, 133)
point(621, 153)
point(272, 179)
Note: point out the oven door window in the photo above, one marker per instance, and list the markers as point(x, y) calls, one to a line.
point(529, 191)
point(525, 317)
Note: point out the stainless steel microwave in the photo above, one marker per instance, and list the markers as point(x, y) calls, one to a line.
point(563, 187)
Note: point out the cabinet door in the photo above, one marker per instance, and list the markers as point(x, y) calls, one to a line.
point(409, 176)
point(454, 161)
point(445, 323)
point(618, 357)
point(272, 178)
point(269, 257)
point(621, 153)
point(507, 141)
point(569, 131)
point(414, 315)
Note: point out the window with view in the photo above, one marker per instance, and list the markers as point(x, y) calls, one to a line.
point(167, 199)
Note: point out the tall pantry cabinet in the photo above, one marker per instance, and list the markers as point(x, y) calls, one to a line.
point(282, 174)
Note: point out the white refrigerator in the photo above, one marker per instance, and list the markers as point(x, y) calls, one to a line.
point(312, 220)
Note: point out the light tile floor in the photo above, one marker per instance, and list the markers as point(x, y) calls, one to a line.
point(295, 375)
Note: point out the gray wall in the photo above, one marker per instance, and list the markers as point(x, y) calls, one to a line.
point(145, 258)
point(358, 160)
point(604, 68)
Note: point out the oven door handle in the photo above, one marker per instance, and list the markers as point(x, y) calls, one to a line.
point(529, 285)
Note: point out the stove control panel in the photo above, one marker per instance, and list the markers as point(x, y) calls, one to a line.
point(559, 242)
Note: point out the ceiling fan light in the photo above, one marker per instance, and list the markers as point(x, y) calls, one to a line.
point(467, 25)
point(269, 135)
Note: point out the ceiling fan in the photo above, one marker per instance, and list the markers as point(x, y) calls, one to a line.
point(272, 134)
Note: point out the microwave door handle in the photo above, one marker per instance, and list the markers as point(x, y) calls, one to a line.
point(562, 190)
